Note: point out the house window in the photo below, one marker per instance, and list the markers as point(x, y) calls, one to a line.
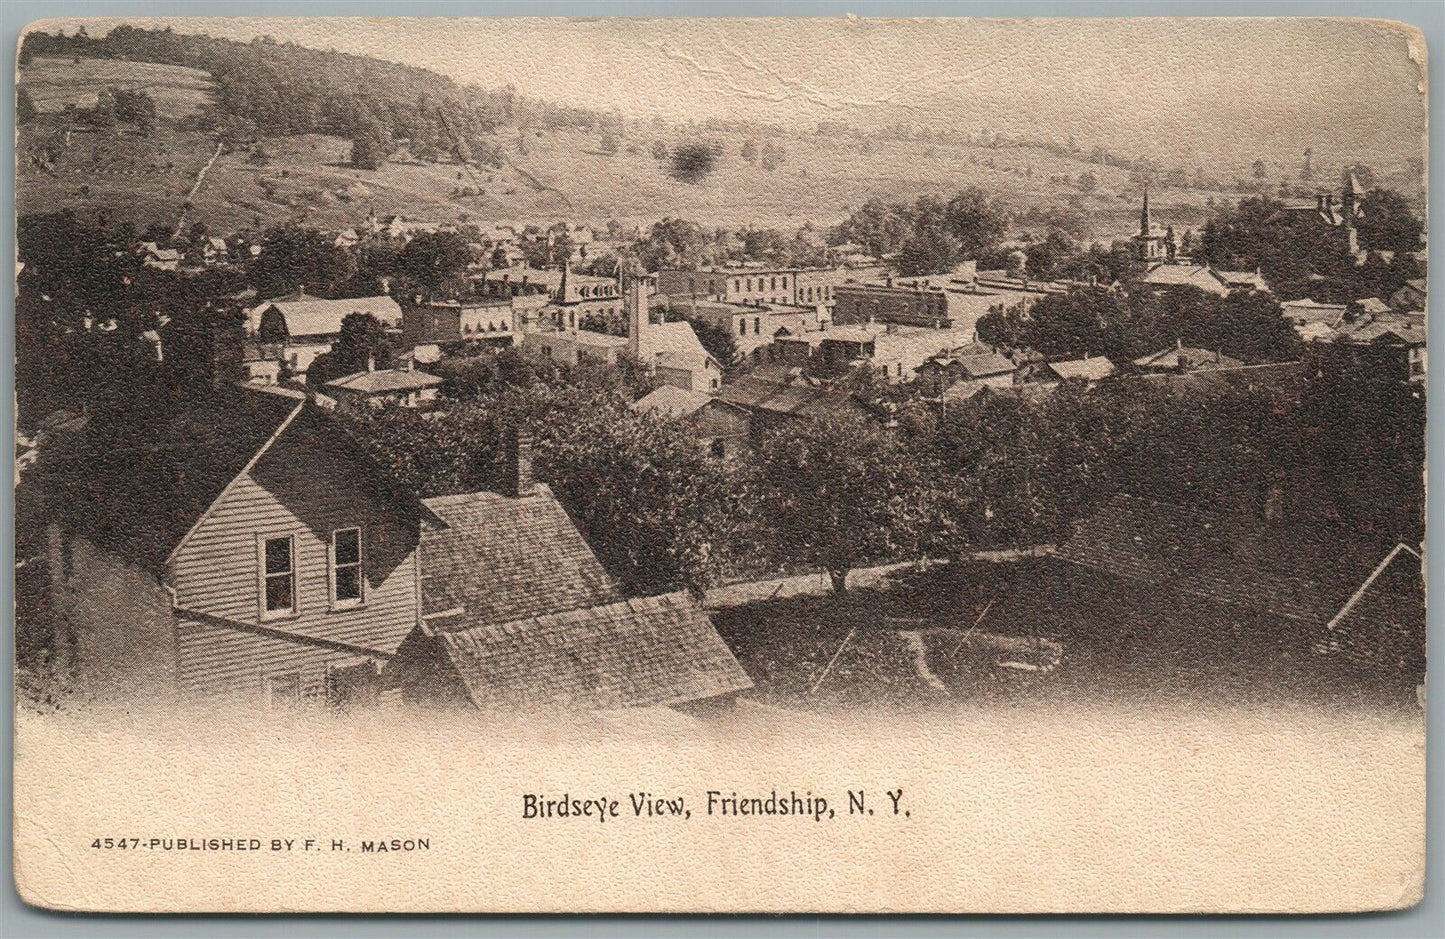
point(283, 690)
point(280, 576)
point(737, 286)
point(742, 326)
point(785, 283)
point(757, 325)
point(773, 283)
point(718, 449)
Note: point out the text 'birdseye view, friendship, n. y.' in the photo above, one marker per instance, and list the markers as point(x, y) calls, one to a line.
point(729, 465)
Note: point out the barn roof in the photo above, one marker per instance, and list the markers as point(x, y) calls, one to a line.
point(310, 316)
point(631, 653)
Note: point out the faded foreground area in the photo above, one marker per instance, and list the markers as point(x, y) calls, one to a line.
point(1012, 807)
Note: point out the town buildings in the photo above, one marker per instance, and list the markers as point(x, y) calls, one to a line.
point(722, 428)
point(295, 329)
point(376, 388)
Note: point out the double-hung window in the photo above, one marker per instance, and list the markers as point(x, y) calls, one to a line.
point(278, 560)
point(347, 583)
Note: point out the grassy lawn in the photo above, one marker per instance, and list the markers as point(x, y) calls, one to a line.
point(1033, 631)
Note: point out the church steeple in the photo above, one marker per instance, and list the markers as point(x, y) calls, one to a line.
point(1146, 224)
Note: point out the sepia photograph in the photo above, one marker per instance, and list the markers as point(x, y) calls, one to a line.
point(720, 465)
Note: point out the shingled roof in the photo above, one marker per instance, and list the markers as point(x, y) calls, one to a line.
point(138, 491)
point(632, 653)
point(384, 380)
point(502, 559)
point(1291, 571)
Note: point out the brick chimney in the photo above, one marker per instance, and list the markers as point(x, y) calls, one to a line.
point(517, 471)
point(635, 301)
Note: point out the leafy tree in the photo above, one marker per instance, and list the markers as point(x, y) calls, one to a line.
point(1259, 169)
point(608, 142)
point(293, 257)
point(363, 340)
point(693, 162)
point(659, 150)
point(973, 219)
point(370, 147)
point(929, 252)
point(1387, 222)
point(836, 494)
point(1087, 181)
point(1047, 258)
point(435, 264)
point(749, 150)
point(771, 156)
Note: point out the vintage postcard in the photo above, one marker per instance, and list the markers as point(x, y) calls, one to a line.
point(782, 465)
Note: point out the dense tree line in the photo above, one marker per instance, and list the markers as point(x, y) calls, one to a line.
point(1301, 257)
point(928, 235)
point(265, 88)
point(1000, 470)
point(1126, 325)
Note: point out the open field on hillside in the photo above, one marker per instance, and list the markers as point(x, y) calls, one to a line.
point(548, 174)
point(54, 82)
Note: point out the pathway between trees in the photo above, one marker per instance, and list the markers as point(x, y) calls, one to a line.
point(200, 178)
point(817, 584)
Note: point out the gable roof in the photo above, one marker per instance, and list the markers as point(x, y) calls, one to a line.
point(310, 316)
point(1094, 368)
point(1302, 573)
point(631, 653)
point(140, 495)
point(1185, 275)
point(501, 559)
point(671, 401)
point(674, 344)
point(982, 366)
point(381, 381)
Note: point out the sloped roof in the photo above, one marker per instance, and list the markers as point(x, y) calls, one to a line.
point(1303, 573)
point(1242, 278)
point(138, 495)
point(748, 391)
point(1094, 368)
point(1182, 275)
point(671, 401)
point(1405, 329)
point(1302, 312)
point(675, 342)
point(502, 559)
point(632, 653)
point(381, 381)
point(1175, 356)
point(989, 363)
point(1373, 305)
point(310, 316)
point(1312, 331)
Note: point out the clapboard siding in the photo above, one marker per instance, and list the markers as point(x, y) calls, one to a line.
point(306, 486)
point(226, 662)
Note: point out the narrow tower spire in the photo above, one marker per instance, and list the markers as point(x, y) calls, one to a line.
point(1146, 224)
